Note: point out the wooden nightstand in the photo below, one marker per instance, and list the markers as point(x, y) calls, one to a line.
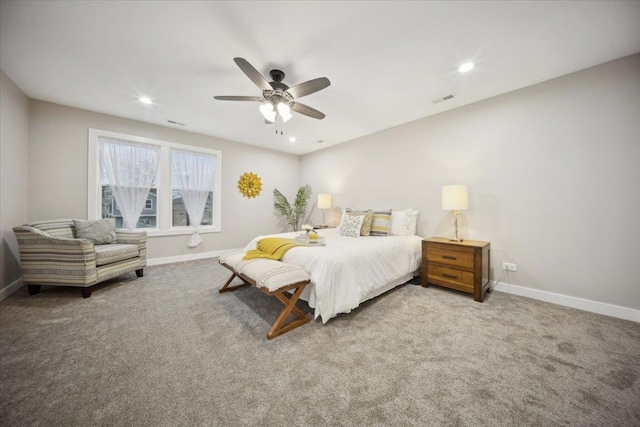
point(457, 265)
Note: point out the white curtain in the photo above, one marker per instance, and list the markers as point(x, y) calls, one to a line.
point(130, 168)
point(192, 174)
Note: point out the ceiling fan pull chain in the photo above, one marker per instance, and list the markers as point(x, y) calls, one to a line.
point(279, 124)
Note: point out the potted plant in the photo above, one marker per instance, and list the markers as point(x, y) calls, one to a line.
point(293, 215)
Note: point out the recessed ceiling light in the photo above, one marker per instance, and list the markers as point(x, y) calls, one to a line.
point(292, 139)
point(145, 100)
point(467, 66)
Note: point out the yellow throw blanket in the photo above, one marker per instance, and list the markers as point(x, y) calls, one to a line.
point(271, 248)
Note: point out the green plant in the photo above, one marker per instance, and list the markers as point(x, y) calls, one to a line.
point(293, 215)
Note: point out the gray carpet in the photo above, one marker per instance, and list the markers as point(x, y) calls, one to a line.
point(168, 350)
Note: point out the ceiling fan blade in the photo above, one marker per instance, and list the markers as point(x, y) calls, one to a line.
point(307, 111)
point(239, 98)
point(307, 88)
point(253, 74)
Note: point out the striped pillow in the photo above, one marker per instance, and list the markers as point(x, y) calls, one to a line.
point(381, 224)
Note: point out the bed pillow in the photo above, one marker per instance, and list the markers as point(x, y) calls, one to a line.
point(351, 225)
point(404, 222)
point(100, 231)
point(413, 223)
point(344, 213)
point(381, 224)
point(368, 219)
point(400, 222)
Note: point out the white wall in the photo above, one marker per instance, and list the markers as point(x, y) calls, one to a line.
point(14, 139)
point(552, 169)
point(58, 175)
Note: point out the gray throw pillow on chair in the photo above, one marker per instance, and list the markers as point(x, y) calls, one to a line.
point(99, 231)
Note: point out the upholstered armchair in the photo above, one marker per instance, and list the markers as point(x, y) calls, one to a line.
point(51, 255)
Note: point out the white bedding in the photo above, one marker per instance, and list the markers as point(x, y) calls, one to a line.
point(348, 270)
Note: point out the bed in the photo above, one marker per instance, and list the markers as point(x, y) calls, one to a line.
point(348, 271)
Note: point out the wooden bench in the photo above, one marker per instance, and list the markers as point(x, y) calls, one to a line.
point(274, 278)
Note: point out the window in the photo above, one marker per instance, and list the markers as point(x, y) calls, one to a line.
point(164, 211)
point(191, 173)
point(124, 165)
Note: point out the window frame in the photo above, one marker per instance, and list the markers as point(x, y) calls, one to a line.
point(164, 206)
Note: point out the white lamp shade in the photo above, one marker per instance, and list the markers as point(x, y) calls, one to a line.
point(324, 201)
point(285, 111)
point(268, 112)
point(455, 197)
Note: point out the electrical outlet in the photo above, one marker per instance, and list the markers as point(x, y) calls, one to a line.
point(509, 266)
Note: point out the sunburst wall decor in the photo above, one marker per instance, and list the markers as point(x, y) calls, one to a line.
point(250, 185)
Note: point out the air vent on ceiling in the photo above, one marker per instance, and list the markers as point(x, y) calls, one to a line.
point(444, 98)
point(173, 122)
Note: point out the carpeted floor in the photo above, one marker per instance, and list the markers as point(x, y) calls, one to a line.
point(168, 350)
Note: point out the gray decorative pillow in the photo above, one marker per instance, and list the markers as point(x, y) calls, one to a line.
point(368, 219)
point(99, 231)
point(352, 225)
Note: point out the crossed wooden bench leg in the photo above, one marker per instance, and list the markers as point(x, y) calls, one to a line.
point(226, 288)
point(279, 327)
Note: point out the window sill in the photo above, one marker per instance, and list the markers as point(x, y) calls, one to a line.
point(179, 231)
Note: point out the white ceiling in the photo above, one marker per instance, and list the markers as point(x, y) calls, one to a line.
point(386, 60)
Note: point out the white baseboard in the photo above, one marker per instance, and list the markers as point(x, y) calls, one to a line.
point(189, 257)
point(9, 289)
point(573, 302)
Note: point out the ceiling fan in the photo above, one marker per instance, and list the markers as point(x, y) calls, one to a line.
point(277, 98)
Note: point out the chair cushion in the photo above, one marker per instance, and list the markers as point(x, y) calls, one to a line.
point(99, 231)
point(108, 254)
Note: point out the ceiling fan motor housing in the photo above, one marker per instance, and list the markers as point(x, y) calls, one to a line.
point(277, 77)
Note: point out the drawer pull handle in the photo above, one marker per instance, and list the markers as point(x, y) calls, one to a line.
point(451, 276)
point(448, 257)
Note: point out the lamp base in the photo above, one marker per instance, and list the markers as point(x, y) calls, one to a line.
point(455, 238)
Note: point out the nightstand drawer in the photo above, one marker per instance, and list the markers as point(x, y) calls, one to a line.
point(449, 257)
point(462, 279)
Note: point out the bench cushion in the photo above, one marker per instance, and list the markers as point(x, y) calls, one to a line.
point(267, 273)
point(231, 259)
point(271, 274)
point(108, 254)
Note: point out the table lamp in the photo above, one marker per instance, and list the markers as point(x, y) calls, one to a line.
point(324, 203)
point(455, 198)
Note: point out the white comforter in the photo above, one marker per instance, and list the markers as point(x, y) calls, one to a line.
point(347, 270)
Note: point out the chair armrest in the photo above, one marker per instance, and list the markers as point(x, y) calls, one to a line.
point(135, 238)
point(46, 259)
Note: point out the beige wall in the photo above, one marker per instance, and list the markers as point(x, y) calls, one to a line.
point(14, 139)
point(553, 172)
point(58, 175)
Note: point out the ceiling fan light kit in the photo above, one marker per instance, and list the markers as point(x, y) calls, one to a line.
point(278, 99)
